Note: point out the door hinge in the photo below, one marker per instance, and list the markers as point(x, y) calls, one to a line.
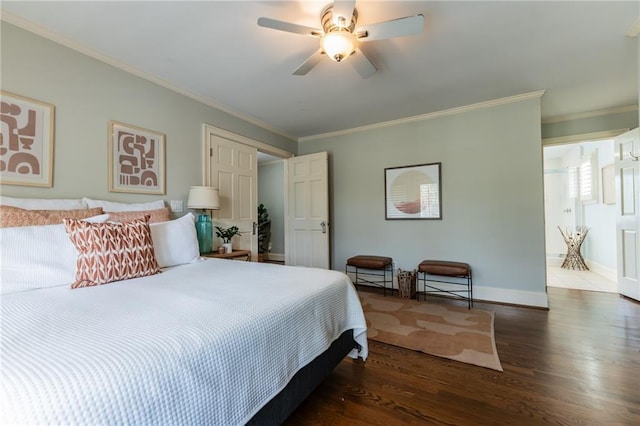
point(210, 152)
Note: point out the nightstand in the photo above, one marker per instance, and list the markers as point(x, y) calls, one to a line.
point(235, 254)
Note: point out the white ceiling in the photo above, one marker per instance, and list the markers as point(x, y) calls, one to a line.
point(469, 52)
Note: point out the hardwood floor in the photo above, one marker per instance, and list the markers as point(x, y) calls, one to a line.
point(578, 363)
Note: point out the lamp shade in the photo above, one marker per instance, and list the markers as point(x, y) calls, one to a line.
point(203, 197)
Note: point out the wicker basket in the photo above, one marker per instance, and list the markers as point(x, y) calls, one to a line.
point(407, 283)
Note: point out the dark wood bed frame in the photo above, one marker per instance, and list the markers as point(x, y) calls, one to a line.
point(276, 411)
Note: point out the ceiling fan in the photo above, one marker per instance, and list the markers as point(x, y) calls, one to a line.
point(340, 37)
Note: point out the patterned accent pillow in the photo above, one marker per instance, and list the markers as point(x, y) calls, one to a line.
point(15, 216)
point(158, 215)
point(110, 252)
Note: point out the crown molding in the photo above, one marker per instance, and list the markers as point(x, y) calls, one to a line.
point(583, 137)
point(79, 47)
point(429, 116)
point(268, 163)
point(236, 137)
point(590, 114)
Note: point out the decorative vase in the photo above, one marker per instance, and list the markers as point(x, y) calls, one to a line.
point(204, 231)
point(227, 247)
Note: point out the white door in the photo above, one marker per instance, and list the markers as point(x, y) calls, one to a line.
point(628, 217)
point(234, 171)
point(307, 221)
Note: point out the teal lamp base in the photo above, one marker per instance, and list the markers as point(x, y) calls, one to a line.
point(204, 231)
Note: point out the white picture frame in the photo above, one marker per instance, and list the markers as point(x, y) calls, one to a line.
point(413, 192)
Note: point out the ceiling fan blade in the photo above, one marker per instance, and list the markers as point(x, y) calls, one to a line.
point(311, 62)
point(344, 9)
point(288, 27)
point(411, 25)
point(362, 64)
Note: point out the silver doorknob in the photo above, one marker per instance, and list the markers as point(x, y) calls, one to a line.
point(323, 225)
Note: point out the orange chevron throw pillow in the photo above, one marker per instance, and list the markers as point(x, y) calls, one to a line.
point(110, 252)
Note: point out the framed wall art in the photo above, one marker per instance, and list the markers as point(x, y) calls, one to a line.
point(26, 141)
point(413, 192)
point(136, 159)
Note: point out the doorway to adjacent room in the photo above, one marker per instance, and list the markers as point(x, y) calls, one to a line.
point(576, 196)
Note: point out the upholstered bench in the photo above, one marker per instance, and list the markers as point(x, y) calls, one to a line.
point(458, 273)
point(376, 266)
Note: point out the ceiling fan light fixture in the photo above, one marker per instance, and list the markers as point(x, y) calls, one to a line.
point(339, 44)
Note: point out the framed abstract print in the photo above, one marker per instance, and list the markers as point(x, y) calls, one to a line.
point(136, 159)
point(26, 141)
point(413, 192)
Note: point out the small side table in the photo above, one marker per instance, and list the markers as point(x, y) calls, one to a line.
point(235, 254)
point(574, 240)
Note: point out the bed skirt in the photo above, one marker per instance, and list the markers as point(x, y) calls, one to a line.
point(276, 411)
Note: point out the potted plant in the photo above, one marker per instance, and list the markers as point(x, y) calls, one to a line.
point(264, 232)
point(227, 234)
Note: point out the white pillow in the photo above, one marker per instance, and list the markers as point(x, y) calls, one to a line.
point(37, 257)
point(175, 242)
point(43, 204)
point(112, 206)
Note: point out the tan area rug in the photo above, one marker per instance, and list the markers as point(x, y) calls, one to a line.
point(457, 333)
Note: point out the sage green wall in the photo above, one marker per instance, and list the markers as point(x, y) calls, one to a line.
point(87, 93)
point(492, 197)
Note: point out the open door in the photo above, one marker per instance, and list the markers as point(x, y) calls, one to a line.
point(627, 166)
point(307, 211)
point(233, 169)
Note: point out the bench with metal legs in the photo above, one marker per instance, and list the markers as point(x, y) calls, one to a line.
point(458, 279)
point(378, 267)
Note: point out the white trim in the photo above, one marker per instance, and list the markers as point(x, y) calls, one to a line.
point(583, 137)
point(278, 257)
point(268, 163)
point(603, 271)
point(85, 50)
point(208, 129)
point(590, 114)
point(494, 294)
point(555, 260)
point(501, 295)
point(285, 189)
point(428, 116)
point(260, 146)
point(514, 297)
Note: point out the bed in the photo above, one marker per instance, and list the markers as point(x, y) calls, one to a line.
point(203, 342)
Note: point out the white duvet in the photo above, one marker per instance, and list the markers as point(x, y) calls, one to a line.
point(206, 343)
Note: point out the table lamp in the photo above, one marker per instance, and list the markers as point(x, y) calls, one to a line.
point(205, 198)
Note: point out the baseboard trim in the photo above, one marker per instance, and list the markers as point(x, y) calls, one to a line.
point(512, 297)
point(604, 271)
point(555, 261)
point(278, 257)
point(531, 299)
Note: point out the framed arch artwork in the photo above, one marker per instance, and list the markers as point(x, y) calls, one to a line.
point(413, 192)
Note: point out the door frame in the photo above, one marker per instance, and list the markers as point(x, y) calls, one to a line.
point(208, 129)
point(576, 139)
